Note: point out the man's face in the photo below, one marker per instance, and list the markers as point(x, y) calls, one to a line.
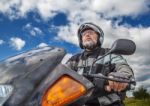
point(89, 39)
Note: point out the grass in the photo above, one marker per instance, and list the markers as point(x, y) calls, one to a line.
point(136, 102)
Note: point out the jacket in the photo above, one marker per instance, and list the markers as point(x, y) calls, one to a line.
point(111, 64)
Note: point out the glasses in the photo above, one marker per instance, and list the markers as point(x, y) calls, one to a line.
point(88, 32)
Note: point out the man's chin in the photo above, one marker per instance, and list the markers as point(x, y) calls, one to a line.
point(89, 45)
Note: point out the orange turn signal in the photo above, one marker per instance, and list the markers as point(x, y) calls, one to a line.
point(63, 91)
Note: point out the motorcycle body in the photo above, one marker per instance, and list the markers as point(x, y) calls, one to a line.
point(37, 78)
point(26, 78)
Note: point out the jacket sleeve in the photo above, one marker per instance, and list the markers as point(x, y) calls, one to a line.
point(72, 63)
point(121, 67)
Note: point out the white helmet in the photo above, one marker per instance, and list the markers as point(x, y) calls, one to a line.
point(94, 27)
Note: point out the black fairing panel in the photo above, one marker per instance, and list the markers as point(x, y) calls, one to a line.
point(26, 71)
point(60, 70)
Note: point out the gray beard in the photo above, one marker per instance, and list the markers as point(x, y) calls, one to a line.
point(89, 45)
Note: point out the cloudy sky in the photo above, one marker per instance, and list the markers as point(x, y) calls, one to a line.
point(27, 24)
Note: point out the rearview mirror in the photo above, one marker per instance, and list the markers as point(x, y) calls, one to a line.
point(123, 47)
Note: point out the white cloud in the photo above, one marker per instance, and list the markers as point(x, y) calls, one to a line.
point(37, 30)
point(33, 30)
point(49, 8)
point(17, 43)
point(1, 42)
point(42, 45)
point(28, 26)
point(115, 8)
point(68, 34)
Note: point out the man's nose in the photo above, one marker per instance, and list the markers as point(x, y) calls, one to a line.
point(87, 35)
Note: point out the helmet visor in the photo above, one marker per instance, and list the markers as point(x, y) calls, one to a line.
point(88, 32)
point(85, 27)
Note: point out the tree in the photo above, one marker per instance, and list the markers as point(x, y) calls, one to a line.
point(141, 93)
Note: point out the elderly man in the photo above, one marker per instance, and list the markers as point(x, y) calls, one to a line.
point(110, 93)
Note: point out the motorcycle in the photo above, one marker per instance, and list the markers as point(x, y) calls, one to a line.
point(37, 78)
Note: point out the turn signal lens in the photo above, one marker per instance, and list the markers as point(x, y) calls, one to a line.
point(63, 91)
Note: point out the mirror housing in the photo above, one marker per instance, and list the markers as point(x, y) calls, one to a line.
point(123, 47)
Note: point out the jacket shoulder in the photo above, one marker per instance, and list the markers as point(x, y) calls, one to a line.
point(104, 51)
point(75, 57)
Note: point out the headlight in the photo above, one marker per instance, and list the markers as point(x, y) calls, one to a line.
point(5, 93)
point(63, 91)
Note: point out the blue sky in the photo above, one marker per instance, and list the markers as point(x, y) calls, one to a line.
point(28, 24)
point(18, 28)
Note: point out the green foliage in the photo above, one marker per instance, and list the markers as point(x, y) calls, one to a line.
point(136, 102)
point(141, 93)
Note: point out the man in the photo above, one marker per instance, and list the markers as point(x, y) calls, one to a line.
point(107, 93)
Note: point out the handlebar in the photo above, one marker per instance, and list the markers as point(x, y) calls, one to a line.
point(112, 79)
